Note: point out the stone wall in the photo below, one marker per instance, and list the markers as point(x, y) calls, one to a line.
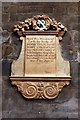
point(66, 104)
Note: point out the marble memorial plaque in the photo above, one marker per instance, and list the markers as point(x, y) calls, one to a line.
point(40, 71)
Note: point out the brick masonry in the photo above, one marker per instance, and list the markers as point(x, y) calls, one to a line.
point(66, 104)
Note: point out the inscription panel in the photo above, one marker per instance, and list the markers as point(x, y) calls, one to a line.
point(40, 55)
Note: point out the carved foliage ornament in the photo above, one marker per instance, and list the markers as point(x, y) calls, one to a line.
point(40, 72)
point(40, 90)
point(40, 23)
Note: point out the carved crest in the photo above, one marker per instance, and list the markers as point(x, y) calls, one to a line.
point(40, 23)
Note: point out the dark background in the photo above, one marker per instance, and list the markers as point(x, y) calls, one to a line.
point(66, 104)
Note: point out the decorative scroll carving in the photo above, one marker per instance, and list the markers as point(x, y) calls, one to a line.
point(40, 23)
point(40, 90)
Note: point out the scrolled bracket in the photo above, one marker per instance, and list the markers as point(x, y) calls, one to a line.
point(40, 90)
